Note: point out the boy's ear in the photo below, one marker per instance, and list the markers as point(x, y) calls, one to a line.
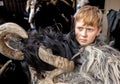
point(99, 31)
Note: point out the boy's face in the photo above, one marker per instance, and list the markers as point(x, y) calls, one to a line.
point(85, 35)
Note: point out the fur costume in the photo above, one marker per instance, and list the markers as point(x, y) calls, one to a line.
point(63, 47)
point(97, 63)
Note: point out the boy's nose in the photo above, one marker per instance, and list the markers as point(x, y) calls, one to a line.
point(84, 33)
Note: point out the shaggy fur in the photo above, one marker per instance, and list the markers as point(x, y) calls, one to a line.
point(100, 64)
point(54, 40)
point(97, 63)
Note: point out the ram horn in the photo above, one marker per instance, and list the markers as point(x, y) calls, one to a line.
point(59, 62)
point(8, 32)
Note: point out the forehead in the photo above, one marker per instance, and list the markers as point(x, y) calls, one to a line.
point(81, 23)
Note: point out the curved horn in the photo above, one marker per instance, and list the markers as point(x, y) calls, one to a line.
point(57, 61)
point(4, 67)
point(13, 28)
point(7, 31)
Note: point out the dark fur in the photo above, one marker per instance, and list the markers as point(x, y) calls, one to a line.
point(61, 44)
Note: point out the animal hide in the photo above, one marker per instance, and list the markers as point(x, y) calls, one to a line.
point(59, 60)
point(99, 64)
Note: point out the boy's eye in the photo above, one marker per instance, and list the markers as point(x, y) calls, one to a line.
point(90, 30)
point(80, 28)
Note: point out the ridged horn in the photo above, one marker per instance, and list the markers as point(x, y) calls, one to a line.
point(7, 31)
point(59, 62)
